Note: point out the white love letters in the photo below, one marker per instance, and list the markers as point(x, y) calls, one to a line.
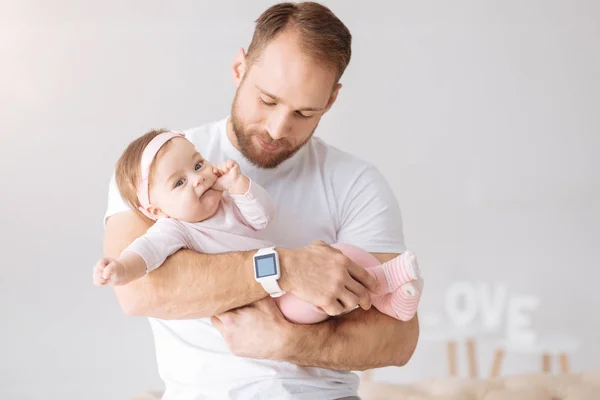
point(466, 300)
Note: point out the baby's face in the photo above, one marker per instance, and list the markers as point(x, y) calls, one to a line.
point(181, 184)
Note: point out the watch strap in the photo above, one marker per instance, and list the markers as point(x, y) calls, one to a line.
point(272, 287)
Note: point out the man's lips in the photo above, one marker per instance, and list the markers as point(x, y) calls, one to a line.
point(267, 146)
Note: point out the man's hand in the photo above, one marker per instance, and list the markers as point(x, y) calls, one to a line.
point(268, 328)
point(323, 276)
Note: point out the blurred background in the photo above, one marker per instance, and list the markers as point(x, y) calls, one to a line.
point(483, 116)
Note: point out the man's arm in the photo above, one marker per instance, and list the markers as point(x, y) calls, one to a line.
point(194, 285)
point(356, 341)
point(188, 284)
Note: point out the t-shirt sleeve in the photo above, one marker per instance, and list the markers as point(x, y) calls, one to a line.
point(370, 216)
point(115, 204)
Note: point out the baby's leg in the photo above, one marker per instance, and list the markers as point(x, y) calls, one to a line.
point(298, 311)
point(400, 281)
point(301, 312)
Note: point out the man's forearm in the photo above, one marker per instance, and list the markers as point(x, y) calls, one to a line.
point(188, 284)
point(193, 285)
point(357, 341)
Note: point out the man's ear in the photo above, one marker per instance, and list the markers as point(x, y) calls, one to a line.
point(333, 97)
point(239, 68)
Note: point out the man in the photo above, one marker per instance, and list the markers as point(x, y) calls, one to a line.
point(286, 81)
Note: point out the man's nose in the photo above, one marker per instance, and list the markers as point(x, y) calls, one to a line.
point(278, 126)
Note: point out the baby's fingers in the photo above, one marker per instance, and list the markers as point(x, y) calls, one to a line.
point(108, 271)
point(97, 277)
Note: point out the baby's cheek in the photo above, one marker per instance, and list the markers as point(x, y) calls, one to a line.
point(191, 203)
point(179, 204)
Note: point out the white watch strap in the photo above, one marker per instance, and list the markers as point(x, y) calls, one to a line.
point(272, 287)
point(265, 250)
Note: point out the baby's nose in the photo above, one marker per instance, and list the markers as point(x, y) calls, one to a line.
point(199, 180)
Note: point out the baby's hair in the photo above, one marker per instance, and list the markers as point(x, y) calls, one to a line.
point(128, 169)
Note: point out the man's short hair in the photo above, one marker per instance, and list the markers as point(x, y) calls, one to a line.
point(321, 34)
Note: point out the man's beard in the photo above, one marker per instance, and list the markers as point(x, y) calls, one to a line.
point(261, 159)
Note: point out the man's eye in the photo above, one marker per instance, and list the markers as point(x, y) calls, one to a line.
point(266, 103)
point(299, 114)
point(198, 166)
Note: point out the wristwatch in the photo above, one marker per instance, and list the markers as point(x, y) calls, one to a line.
point(266, 270)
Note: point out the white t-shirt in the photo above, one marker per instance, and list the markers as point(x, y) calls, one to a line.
point(321, 193)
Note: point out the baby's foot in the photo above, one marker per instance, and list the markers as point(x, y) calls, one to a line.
point(413, 288)
point(402, 270)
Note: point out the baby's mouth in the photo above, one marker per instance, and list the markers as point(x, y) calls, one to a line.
point(204, 192)
point(206, 189)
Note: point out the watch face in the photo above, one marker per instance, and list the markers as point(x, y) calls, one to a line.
point(265, 266)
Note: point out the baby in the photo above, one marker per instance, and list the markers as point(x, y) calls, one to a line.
point(216, 209)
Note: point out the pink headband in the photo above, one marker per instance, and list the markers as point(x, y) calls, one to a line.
point(147, 157)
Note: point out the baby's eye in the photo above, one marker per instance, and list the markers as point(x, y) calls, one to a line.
point(179, 183)
point(198, 166)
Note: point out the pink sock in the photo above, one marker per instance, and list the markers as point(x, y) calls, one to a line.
point(401, 286)
point(401, 270)
point(381, 277)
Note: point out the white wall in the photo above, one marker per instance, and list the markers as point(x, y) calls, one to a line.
point(482, 115)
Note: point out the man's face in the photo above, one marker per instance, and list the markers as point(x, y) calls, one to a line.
point(279, 102)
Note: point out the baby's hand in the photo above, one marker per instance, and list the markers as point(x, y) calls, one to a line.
point(109, 272)
point(228, 172)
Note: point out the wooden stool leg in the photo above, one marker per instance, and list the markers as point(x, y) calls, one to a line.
point(472, 358)
point(452, 359)
point(497, 364)
point(564, 363)
point(546, 363)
